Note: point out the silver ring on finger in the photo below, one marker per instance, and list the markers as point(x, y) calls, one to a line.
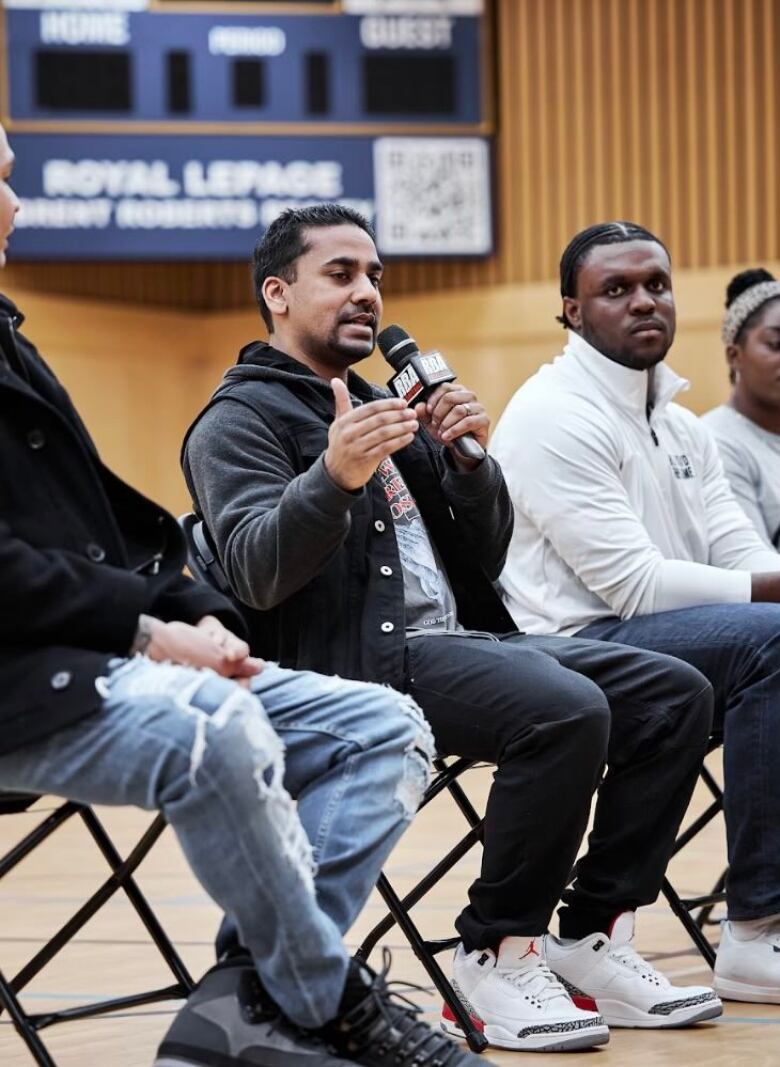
point(469, 412)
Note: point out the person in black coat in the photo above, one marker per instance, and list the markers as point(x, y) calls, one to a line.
point(124, 682)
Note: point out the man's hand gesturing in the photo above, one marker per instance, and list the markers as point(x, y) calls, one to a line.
point(360, 438)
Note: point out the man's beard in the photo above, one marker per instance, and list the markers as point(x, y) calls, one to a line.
point(351, 351)
point(625, 357)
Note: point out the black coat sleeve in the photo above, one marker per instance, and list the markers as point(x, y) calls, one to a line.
point(53, 596)
point(186, 600)
point(59, 597)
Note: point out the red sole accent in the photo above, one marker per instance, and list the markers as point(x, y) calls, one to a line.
point(585, 1003)
point(448, 1014)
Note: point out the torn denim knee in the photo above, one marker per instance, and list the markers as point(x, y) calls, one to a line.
point(418, 759)
point(213, 704)
point(267, 751)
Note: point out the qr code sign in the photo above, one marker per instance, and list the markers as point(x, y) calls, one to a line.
point(432, 195)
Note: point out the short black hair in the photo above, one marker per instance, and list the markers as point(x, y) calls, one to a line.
point(602, 233)
point(284, 242)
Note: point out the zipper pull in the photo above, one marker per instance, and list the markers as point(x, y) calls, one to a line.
point(654, 437)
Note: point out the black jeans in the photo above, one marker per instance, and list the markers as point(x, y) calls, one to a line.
point(550, 712)
point(737, 647)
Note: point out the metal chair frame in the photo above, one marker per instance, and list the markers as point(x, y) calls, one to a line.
point(399, 908)
point(121, 878)
point(685, 907)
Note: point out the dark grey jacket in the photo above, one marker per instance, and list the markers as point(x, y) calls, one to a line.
point(316, 567)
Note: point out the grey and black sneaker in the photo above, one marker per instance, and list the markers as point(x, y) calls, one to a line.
point(378, 1027)
point(230, 1021)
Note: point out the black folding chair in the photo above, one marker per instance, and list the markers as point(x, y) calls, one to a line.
point(399, 908)
point(201, 555)
point(696, 912)
point(203, 563)
point(121, 877)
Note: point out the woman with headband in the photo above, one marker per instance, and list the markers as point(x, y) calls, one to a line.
point(747, 428)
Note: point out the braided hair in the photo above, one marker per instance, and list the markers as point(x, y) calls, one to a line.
point(746, 279)
point(602, 233)
point(746, 318)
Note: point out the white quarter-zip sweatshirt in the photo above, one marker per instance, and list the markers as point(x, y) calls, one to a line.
point(621, 504)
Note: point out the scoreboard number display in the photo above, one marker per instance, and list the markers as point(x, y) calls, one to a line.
point(176, 129)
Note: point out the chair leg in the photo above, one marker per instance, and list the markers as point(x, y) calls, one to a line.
point(432, 878)
point(123, 870)
point(27, 1032)
point(37, 836)
point(476, 1040)
point(119, 879)
point(703, 918)
point(694, 932)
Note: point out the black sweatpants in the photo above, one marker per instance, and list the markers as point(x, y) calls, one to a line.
point(550, 712)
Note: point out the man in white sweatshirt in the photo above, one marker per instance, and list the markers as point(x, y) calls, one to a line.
point(626, 530)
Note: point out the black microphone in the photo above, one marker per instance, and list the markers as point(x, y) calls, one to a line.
point(417, 375)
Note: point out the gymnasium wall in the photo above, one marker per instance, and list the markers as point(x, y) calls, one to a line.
point(139, 375)
point(664, 111)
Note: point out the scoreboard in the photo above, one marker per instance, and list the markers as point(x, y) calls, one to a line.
point(180, 130)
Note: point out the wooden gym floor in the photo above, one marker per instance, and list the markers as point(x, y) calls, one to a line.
point(112, 956)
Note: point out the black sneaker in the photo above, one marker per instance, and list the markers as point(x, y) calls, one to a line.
point(230, 1021)
point(380, 1028)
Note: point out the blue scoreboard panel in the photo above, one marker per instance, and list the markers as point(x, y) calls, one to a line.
point(181, 130)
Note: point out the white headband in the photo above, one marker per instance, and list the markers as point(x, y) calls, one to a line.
point(744, 306)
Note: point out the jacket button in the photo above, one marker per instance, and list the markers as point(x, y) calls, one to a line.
point(387, 571)
point(36, 439)
point(379, 526)
point(61, 680)
point(95, 552)
point(387, 627)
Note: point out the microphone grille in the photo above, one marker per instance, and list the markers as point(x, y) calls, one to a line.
point(390, 337)
point(396, 345)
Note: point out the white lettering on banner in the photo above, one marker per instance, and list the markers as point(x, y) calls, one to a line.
point(227, 177)
point(84, 27)
point(186, 214)
point(145, 195)
point(134, 214)
point(247, 41)
point(406, 32)
point(62, 214)
point(104, 177)
point(219, 178)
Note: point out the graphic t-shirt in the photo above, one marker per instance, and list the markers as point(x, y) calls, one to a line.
point(428, 596)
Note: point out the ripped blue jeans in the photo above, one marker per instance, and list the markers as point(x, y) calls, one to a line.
point(226, 766)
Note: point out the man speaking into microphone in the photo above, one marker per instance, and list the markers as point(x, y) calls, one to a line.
point(362, 529)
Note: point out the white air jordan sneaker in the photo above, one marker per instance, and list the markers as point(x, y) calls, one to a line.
point(518, 1004)
point(628, 991)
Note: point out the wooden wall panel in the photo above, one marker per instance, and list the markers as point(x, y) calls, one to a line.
point(140, 378)
point(662, 111)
